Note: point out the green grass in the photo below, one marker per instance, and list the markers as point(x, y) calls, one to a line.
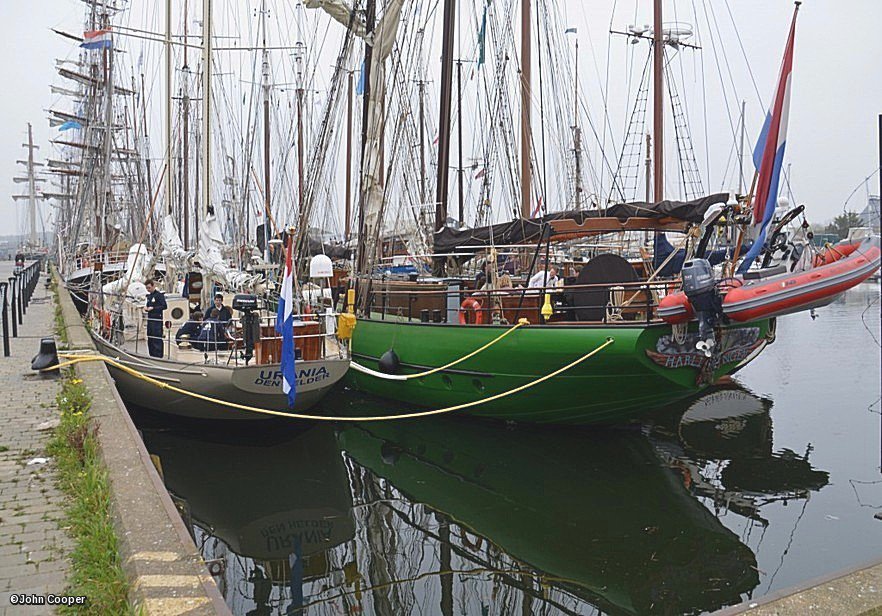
point(96, 570)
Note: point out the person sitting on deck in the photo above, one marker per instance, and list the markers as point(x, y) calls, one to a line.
point(190, 329)
point(544, 279)
point(212, 336)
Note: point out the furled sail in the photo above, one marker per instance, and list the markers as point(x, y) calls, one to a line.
point(211, 259)
point(381, 40)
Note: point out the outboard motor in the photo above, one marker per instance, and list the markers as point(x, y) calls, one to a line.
point(700, 287)
point(247, 305)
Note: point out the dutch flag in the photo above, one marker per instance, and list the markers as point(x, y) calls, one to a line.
point(96, 39)
point(768, 155)
point(285, 328)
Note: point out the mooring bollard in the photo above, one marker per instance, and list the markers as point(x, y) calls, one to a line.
point(4, 308)
point(18, 298)
point(11, 285)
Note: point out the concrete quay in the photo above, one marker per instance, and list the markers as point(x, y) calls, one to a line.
point(166, 573)
point(33, 543)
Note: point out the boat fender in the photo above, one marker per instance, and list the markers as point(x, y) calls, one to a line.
point(389, 362)
point(390, 453)
point(470, 306)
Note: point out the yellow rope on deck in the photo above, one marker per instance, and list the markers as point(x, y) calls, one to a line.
point(253, 409)
point(406, 377)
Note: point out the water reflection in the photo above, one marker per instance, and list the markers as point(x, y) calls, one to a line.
point(722, 445)
point(448, 516)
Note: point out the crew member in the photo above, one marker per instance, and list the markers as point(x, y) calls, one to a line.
point(191, 328)
point(219, 312)
point(155, 307)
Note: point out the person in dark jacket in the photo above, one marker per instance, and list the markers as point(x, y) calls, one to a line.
point(155, 307)
point(218, 312)
point(191, 328)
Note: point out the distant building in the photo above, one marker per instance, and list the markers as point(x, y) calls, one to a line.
point(870, 215)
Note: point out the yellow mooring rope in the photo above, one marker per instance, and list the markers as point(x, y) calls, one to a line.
point(252, 409)
point(406, 377)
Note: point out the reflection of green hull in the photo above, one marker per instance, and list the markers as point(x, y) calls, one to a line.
point(622, 381)
point(593, 511)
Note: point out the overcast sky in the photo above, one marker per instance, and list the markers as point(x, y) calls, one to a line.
point(836, 91)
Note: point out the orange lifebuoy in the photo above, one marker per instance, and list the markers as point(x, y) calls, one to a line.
point(470, 306)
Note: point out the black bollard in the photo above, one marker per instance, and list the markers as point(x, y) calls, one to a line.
point(11, 286)
point(47, 356)
point(4, 308)
point(18, 291)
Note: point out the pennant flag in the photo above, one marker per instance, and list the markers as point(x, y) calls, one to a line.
point(482, 33)
point(285, 328)
point(768, 155)
point(359, 87)
point(481, 173)
point(96, 39)
point(70, 124)
point(571, 31)
point(538, 209)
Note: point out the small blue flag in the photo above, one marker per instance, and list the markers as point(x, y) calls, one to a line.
point(70, 124)
point(359, 88)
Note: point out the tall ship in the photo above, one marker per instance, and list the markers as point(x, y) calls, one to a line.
point(586, 312)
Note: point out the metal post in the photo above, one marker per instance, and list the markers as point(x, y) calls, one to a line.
point(14, 318)
point(4, 288)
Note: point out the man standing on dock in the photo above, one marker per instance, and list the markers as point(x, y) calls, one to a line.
point(155, 307)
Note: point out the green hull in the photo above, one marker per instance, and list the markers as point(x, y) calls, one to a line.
point(643, 370)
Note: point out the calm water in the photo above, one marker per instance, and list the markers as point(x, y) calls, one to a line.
point(750, 489)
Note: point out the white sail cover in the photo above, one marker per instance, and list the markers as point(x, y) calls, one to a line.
point(172, 246)
point(131, 283)
point(211, 259)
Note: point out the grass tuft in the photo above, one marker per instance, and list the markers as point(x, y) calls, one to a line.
point(96, 570)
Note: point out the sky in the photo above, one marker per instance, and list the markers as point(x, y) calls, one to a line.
point(836, 91)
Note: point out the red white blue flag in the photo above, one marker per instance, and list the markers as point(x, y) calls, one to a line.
point(285, 328)
point(768, 156)
point(96, 39)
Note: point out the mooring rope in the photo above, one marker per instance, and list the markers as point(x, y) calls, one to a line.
point(253, 409)
point(406, 377)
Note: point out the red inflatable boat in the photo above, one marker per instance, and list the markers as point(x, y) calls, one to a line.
point(836, 271)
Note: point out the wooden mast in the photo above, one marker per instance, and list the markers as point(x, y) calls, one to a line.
point(168, 106)
point(185, 157)
point(348, 219)
point(658, 116)
point(444, 114)
point(206, 109)
point(526, 74)
point(266, 135)
point(449, 14)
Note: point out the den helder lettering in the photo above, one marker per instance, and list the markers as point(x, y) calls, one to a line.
point(305, 376)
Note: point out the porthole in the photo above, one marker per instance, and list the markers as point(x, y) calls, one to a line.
point(177, 313)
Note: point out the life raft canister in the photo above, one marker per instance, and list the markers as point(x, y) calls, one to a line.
point(470, 306)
